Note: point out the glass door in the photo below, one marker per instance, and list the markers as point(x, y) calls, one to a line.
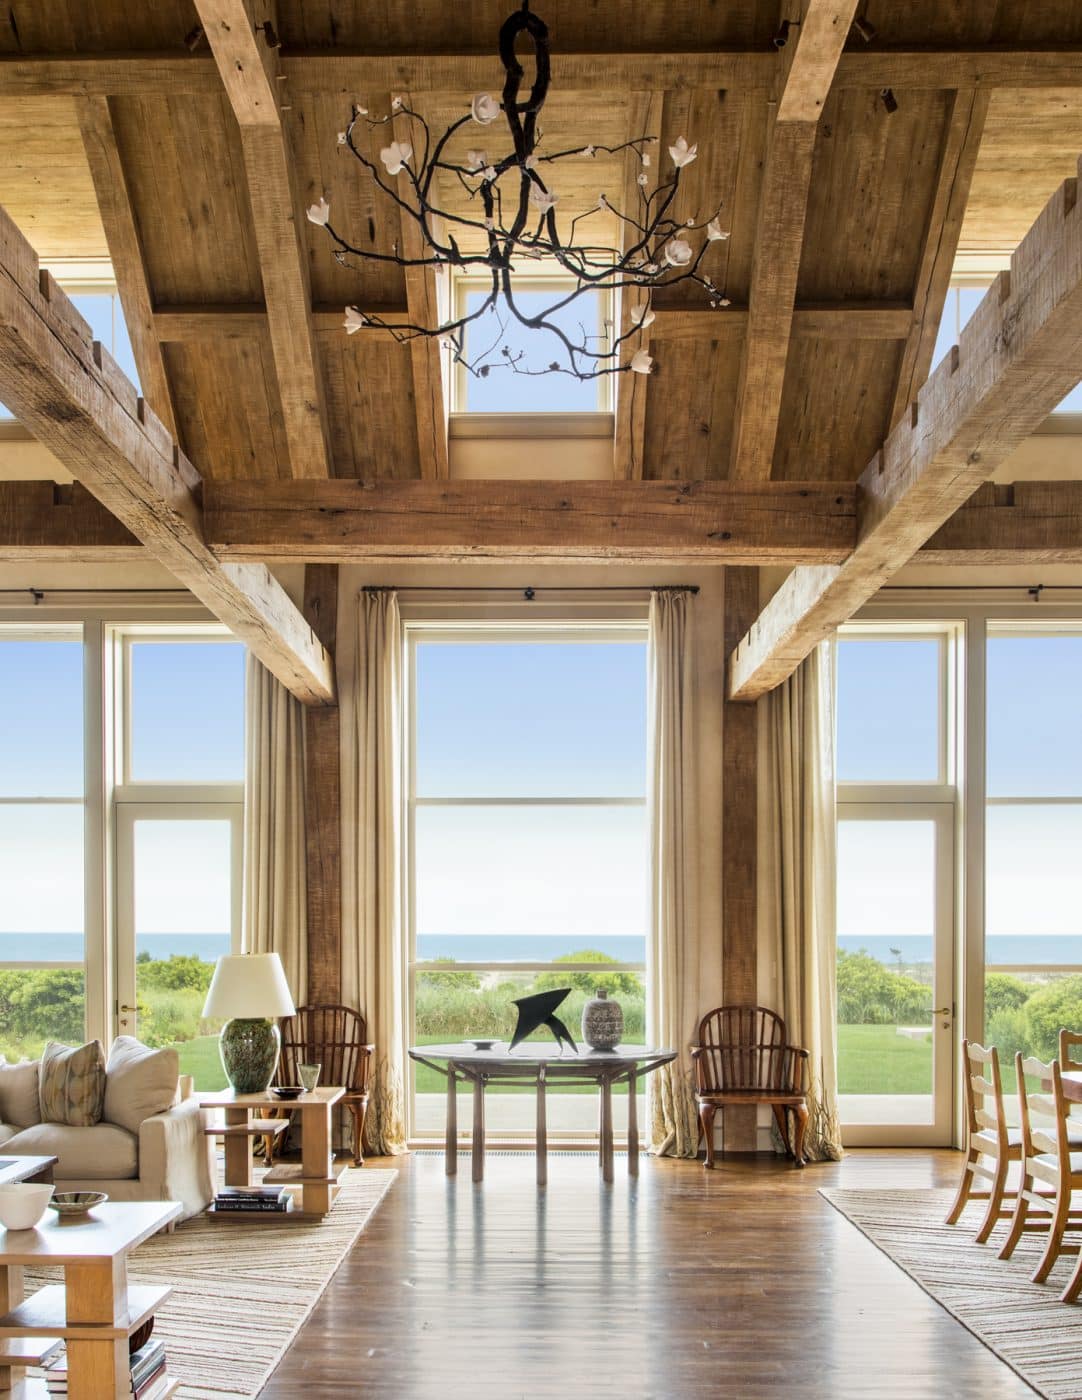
point(895, 931)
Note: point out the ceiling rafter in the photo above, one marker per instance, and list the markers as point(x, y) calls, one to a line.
point(248, 65)
point(779, 235)
point(1016, 359)
point(69, 392)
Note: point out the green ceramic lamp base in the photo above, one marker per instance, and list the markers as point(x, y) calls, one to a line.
point(249, 1049)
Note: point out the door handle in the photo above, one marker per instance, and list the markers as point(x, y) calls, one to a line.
point(131, 1010)
point(939, 1010)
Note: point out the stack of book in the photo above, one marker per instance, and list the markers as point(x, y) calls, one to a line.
point(273, 1200)
point(148, 1372)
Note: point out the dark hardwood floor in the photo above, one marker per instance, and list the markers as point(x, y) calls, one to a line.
point(743, 1282)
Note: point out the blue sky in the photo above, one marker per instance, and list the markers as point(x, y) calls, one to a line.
point(504, 391)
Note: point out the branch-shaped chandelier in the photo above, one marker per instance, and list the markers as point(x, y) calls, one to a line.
point(511, 221)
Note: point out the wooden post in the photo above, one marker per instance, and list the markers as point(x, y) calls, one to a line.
point(322, 806)
point(739, 837)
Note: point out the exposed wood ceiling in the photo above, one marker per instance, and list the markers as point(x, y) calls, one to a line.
point(217, 175)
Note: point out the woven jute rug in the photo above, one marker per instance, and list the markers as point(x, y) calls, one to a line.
point(240, 1291)
point(1024, 1323)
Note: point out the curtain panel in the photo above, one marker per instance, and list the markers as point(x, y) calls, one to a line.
point(801, 805)
point(275, 892)
point(673, 933)
point(373, 956)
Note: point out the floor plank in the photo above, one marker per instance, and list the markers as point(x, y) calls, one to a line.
point(687, 1284)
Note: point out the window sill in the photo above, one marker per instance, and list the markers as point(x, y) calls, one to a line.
point(531, 425)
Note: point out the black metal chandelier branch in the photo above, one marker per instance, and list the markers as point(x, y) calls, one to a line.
point(656, 247)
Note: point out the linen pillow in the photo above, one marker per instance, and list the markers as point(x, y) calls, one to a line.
point(72, 1087)
point(139, 1082)
point(19, 1094)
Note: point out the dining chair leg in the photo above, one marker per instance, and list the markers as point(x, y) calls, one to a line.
point(359, 1112)
point(706, 1121)
point(1055, 1235)
point(965, 1188)
point(1018, 1218)
point(995, 1201)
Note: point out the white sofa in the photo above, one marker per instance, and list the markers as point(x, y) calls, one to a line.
point(162, 1156)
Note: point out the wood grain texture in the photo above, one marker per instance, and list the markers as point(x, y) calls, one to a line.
point(42, 521)
point(322, 804)
point(1027, 522)
point(337, 521)
point(76, 401)
point(739, 842)
point(1016, 359)
point(248, 66)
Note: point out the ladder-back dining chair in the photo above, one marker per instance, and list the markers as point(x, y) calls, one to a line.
point(993, 1146)
point(335, 1038)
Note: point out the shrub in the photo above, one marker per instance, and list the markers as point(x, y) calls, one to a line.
point(1006, 1029)
point(449, 977)
point(178, 973)
point(628, 984)
point(871, 994)
point(1050, 1008)
point(1003, 993)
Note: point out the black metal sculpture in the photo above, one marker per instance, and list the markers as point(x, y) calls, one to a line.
point(539, 1010)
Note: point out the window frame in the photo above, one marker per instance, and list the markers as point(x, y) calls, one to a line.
point(450, 631)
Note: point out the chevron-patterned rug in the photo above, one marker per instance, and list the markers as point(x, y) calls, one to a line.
point(241, 1292)
point(1024, 1323)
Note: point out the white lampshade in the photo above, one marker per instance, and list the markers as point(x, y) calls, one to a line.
point(248, 985)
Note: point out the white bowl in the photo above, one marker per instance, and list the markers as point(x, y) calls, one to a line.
point(23, 1203)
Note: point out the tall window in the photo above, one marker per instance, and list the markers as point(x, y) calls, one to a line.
point(1033, 835)
point(42, 816)
point(527, 836)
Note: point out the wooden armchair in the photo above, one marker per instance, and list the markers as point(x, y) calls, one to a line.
point(742, 1057)
point(334, 1037)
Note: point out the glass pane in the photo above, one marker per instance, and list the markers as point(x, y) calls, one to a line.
point(456, 1005)
point(1034, 733)
point(103, 312)
point(888, 710)
point(502, 719)
point(181, 927)
point(41, 876)
point(41, 718)
point(886, 930)
point(530, 883)
point(528, 389)
point(1033, 884)
point(187, 712)
point(1025, 1011)
point(1072, 403)
point(40, 1004)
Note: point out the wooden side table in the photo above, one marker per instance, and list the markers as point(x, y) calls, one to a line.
point(317, 1178)
point(94, 1309)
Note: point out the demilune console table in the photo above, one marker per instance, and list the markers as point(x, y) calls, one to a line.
point(546, 1068)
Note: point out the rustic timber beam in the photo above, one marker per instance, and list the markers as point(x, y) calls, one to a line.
point(249, 70)
point(151, 73)
point(779, 234)
point(322, 805)
point(248, 321)
point(1016, 359)
point(1025, 522)
point(41, 521)
point(72, 396)
point(660, 521)
point(125, 252)
point(961, 144)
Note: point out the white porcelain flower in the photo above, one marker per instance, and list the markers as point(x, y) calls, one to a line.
point(714, 231)
point(395, 156)
point(354, 320)
point(530, 163)
point(320, 212)
point(642, 316)
point(642, 362)
point(489, 173)
point(678, 252)
point(651, 269)
point(682, 154)
point(475, 160)
point(361, 111)
point(490, 225)
point(641, 179)
point(590, 151)
point(341, 138)
point(484, 109)
point(396, 104)
point(645, 159)
point(541, 199)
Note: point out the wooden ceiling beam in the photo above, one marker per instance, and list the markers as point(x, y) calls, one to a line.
point(956, 165)
point(68, 391)
point(125, 252)
point(1025, 522)
point(248, 65)
point(42, 521)
point(335, 521)
point(241, 321)
point(153, 73)
point(1016, 359)
point(779, 234)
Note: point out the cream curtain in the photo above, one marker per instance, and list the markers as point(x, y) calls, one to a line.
point(373, 958)
point(800, 784)
point(275, 894)
point(673, 938)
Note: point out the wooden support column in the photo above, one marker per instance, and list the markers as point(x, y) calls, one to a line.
point(322, 804)
point(739, 841)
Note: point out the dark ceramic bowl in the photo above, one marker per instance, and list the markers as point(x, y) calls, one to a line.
point(288, 1091)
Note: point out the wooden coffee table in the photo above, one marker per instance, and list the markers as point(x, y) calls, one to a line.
point(94, 1309)
point(316, 1178)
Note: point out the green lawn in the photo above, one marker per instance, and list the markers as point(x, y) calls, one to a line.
point(200, 1058)
point(877, 1060)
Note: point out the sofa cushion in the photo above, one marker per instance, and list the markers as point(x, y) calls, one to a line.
point(139, 1082)
point(6, 1132)
point(72, 1085)
point(19, 1104)
point(101, 1153)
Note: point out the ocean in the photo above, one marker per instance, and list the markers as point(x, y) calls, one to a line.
point(1017, 948)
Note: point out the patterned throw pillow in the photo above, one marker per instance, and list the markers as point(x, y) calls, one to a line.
point(72, 1086)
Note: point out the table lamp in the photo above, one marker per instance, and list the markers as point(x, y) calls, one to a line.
point(250, 991)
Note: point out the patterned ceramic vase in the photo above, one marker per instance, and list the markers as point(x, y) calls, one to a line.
point(602, 1022)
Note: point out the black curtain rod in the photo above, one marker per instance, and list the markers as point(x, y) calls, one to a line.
point(528, 593)
point(39, 593)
